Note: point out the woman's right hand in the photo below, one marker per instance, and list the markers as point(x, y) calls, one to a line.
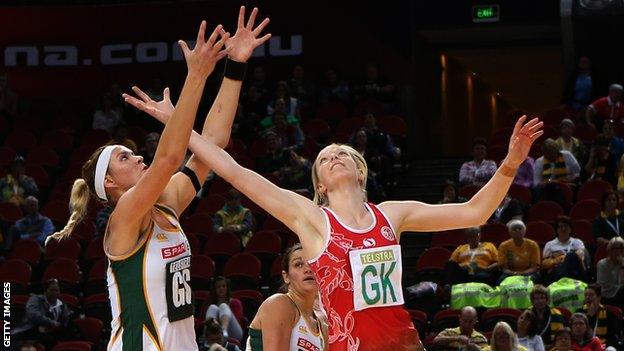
point(161, 110)
point(204, 56)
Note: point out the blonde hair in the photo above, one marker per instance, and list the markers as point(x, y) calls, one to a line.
point(615, 241)
point(360, 162)
point(513, 338)
point(80, 195)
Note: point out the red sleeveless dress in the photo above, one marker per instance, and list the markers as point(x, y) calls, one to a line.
point(359, 278)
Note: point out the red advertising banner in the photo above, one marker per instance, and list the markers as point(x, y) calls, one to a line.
point(49, 51)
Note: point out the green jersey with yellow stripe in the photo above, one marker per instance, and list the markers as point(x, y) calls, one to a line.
point(150, 292)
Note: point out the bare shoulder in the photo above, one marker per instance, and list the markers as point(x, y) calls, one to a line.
point(277, 308)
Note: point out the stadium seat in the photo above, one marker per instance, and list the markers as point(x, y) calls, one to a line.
point(567, 193)
point(57, 211)
point(21, 141)
point(601, 252)
point(7, 155)
point(66, 248)
point(251, 300)
point(468, 191)
point(96, 281)
point(71, 301)
point(587, 209)
point(393, 125)
point(59, 140)
point(201, 300)
point(243, 270)
point(27, 250)
point(539, 231)
point(332, 111)
point(266, 245)
point(210, 204)
point(198, 223)
point(193, 242)
point(430, 265)
point(582, 229)
point(445, 319)
point(202, 272)
point(10, 212)
point(95, 249)
point(220, 247)
point(593, 190)
point(545, 211)
point(18, 273)
point(97, 306)
point(90, 329)
point(39, 174)
point(495, 315)
point(317, 128)
point(72, 346)
point(420, 319)
point(520, 193)
point(494, 232)
point(18, 308)
point(44, 156)
point(287, 238)
point(273, 223)
point(448, 238)
point(66, 272)
point(349, 125)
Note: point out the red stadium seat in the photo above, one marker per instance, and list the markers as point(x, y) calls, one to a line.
point(494, 232)
point(521, 193)
point(495, 315)
point(332, 111)
point(419, 318)
point(567, 192)
point(593, 190)
point(18, 273)
point(96, 281)
point(433, 258)
point(18, 308)
point(7, 155)
point(210, 204)
point(27, 250)
point(98, 306)
point(66, 272)
point(58, 139)
point(243, 270)
point(368, 106)
point(273, 223)
point(545, 211)
point(72, 346)
point(198, 223)
point(448, 238)
point(193, 242)
point(445, 319)
point(276, 268)
point(582, 229)
point(21, 140)
point(95, 137)
point(71, 301)
point(202, 272)
point(601, 252)
point(95, 249)
point(585, 209)
point(66, 248)
point(90, 329)
point(393, 125)
point(468, 191)
point(220, 247)
point(10, 212)
point(539, 231)
point(349, 125)
point(251, 300)
point(43, 156)
point(57, 211)
point(317, 128)
point(84, 232)
point(266, 245)
point(39, 174)
point(288, 238)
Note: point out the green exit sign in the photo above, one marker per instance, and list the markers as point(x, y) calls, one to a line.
point(485, 13)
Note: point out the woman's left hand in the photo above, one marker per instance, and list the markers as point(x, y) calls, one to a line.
point(522, 139)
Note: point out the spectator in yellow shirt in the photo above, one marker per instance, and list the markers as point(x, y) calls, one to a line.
point(474, 261)
point(518, 255)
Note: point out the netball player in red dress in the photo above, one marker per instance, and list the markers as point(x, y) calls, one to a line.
point(353, 245)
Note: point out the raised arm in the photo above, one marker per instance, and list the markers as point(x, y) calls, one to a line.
point(218, 123)
point(130, 209)
point(418, 216)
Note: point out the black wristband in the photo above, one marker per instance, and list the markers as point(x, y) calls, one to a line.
point(234, 70)
point(193, 177)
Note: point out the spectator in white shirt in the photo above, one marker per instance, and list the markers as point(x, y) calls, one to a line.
point(564, 256)
point(106, 118)
point(479, 170)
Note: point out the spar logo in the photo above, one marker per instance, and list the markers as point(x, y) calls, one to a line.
point(173, 251)
point(128, 53)
point(306, 345)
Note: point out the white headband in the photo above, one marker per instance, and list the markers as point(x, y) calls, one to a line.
point(100, 171)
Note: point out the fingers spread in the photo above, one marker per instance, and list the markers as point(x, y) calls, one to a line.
point(141, 94)
point(185, 48)
point(216, 32)
point(166, 94)
point(241, 17)
point(252, 18)
point(264, 39)
point(200, 34)
point(261, 26)
point(221, 42)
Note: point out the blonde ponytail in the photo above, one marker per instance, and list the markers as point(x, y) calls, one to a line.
point(78, 204)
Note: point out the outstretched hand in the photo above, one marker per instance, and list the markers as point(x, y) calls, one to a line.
point(245, 40)
point(204, 56)
point(523, 136)
point(161, 110)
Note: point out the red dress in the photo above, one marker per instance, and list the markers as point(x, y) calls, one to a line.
point(365, 311)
